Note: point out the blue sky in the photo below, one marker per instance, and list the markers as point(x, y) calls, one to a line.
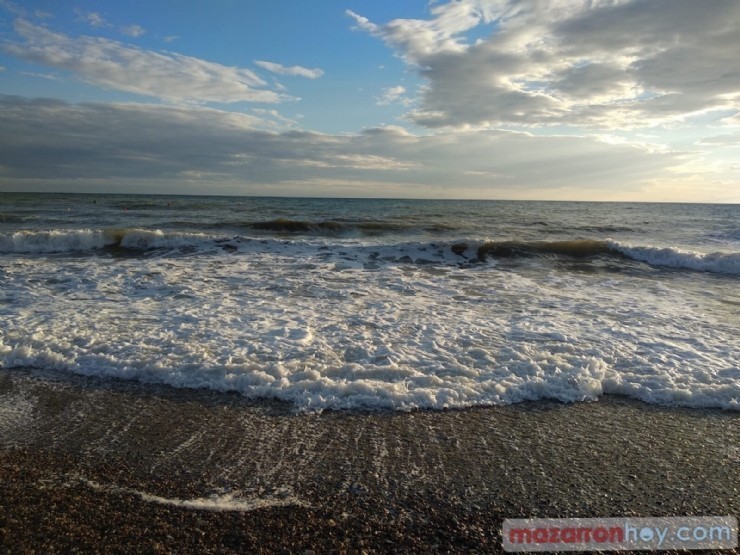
point(564, 99)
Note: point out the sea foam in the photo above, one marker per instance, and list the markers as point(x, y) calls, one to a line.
point(90, 240)
point(307, 327)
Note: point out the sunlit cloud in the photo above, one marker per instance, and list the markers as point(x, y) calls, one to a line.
point(604, 64)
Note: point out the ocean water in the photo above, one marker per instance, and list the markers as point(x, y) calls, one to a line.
point(377, 304)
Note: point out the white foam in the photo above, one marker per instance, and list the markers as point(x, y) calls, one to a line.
point(60, 240)
point(345, 254)
point(284, 320)
point(671, 257)
point(226, 502)
point(229, 501)
point(88, 240)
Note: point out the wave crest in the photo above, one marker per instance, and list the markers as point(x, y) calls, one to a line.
point(671, 257)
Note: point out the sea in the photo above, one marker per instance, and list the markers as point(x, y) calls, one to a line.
point(377, 304)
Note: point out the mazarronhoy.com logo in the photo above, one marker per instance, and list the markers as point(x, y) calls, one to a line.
point(626, 533)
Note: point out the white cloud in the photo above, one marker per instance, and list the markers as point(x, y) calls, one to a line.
point(97, 21)
point(489, 175)
point(133, 31)
point(418, 39)
point(357, 161)
point(363, 23)
point(94, 19)
point(47, 76)
point(299, 71)
point(729, 139)
point(393, 95)
point(13, 8)
point(280, 121)
point(118, 66)
point(596, 63)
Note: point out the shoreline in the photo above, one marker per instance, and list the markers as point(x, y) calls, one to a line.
point(109, 465)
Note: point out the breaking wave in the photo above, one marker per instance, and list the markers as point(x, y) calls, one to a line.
point(671, 257)
point(90, 240)
point(668, 257)
point(102, 241)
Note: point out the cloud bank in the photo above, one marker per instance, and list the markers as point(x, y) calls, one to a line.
point(217, 151)
point(585, 63)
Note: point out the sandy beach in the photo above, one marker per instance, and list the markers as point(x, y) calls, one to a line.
point(96, 465)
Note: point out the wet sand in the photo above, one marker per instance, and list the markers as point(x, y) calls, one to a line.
point(101, 465)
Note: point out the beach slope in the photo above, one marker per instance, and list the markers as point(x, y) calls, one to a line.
point(92, 464)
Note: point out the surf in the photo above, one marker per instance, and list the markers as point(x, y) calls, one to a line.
point(462, 252)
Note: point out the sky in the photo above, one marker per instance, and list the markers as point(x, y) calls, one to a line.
point(615, 100)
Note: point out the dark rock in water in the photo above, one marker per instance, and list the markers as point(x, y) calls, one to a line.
point(459, 248)
point(406, 260)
